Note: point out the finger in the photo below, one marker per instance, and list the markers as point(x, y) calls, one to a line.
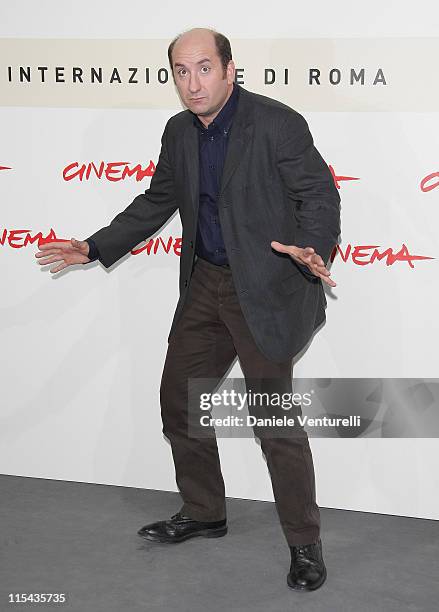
point(322, 269)
point(48, 252)
point(328, 280)
point(308, 261)
point(55, 244)
point(316, 258)
point(283, 248)
point(319, 262)
point(318, 269)
point(290, 249)
point(59, 268)
point(49, 260)
point(320, 272)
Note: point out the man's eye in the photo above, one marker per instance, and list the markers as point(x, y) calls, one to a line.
point(206, 68)
point(180, 72)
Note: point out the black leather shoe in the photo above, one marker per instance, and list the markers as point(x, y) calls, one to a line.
point(180, 528)
point(307, 571)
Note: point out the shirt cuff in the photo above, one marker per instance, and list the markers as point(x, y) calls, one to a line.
point(306, 271)
point(93, 253)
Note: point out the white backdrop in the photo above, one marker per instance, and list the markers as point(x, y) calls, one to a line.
point(83, 353)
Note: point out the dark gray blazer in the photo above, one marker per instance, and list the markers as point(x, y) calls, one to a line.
point(275, 186)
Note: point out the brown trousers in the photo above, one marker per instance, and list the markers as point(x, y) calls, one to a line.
point(210, 334)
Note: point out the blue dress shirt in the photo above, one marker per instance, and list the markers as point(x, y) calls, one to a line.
point(213, 147)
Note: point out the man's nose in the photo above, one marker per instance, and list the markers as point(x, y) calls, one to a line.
point(194, 83)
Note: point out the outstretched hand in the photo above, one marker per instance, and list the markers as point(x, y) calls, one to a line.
point(69, 252)
point(309, 258)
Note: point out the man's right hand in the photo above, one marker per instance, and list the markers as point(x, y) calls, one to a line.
point(68, 252)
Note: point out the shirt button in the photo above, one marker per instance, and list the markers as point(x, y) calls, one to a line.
point(211, 138)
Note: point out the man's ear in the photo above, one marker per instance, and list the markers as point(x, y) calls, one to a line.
point(231, 72)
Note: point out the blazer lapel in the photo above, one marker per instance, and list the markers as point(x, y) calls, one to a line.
point(238, 141)
point(240, 135)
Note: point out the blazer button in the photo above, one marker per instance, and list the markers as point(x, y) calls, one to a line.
point(185, 283)
point(191, 244)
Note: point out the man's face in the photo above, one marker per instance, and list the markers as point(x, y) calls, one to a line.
point(199, 77)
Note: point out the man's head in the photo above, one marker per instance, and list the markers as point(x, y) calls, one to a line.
point(203, 71)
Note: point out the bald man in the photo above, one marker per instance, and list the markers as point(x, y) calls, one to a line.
point(260, 216)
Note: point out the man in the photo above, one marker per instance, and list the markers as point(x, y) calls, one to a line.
point(260, 216)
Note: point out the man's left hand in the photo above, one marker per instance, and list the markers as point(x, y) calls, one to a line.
point(308, 257)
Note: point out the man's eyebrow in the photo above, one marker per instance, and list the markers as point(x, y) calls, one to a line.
point(206, 59)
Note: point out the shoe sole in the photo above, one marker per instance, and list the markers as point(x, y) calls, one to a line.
point(205, 533)
point(312, 588)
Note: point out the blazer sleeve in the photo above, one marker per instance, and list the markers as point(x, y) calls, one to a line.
point(144, 216)
point(311, 188)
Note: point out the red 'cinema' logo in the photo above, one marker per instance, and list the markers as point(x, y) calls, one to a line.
point(364, 254)
point(337, 178)
point(119, 171)
point(429, 182)
point(111, 171)
point(359, 255)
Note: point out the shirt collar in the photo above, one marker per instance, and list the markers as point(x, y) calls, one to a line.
point(224, 118)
